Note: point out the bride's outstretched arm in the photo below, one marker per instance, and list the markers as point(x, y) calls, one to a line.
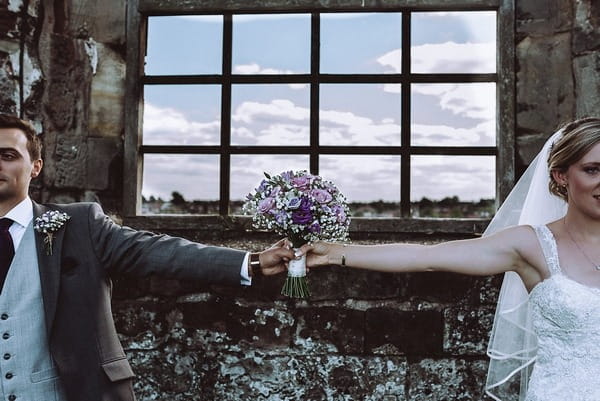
point(503, 251)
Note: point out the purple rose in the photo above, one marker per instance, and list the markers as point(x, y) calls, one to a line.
point(321, 195)
point(302, 182)
point(303, 214)
point(315, 228)
point(266, 204)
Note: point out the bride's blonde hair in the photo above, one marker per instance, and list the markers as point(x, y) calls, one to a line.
point(578, 138)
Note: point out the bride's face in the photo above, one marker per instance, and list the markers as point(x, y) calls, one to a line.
point(583, 183)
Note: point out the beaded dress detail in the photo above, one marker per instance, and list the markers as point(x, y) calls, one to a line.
point(566, 319)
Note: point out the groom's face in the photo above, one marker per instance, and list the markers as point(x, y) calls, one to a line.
point(16, 167)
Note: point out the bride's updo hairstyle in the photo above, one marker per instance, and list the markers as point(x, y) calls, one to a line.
point(578, 138)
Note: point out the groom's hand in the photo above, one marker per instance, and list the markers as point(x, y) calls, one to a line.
point(274, 260)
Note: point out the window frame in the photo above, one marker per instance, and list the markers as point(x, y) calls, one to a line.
point(138, 12)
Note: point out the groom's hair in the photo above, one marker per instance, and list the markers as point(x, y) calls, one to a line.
point(34, 142)
point(577, 139)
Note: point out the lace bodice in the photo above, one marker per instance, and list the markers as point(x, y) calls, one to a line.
point(566, 319)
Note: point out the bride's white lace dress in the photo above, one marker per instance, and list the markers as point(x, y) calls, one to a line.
point(566, 319)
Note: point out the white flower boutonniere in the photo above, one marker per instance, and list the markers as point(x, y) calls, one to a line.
point(48, 224)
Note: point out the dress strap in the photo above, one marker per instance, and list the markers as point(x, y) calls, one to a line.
point(549, 247)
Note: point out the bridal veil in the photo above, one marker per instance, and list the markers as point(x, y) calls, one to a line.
point(513, 344)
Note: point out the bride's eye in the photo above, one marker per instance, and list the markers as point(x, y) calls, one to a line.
point(591, 170)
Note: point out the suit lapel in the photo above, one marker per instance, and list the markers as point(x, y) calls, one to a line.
point(49, 267)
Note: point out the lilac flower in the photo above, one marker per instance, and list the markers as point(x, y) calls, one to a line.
point(294, 203)
point(275, 192)
point(321, 195)
point(340, 213)
point(303, 214)
point(287, 175)
point(266, 204)
point(262, 187)
point(280, 216)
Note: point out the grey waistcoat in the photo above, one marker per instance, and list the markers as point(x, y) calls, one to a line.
point(27, 372)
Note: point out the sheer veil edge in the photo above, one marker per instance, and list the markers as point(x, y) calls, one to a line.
point(513, 344)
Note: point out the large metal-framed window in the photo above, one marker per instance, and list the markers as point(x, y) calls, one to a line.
point(406, 150)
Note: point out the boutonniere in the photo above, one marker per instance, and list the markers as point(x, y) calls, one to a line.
point(48, 224)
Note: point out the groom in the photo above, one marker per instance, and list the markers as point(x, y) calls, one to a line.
point(57, 336)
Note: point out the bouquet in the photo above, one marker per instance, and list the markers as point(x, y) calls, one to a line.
point(304, 208)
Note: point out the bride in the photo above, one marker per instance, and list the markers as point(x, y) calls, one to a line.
point(545, 344)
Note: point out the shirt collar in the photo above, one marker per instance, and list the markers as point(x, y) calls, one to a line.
point(22, 213)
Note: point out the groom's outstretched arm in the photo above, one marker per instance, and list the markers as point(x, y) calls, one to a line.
point(142, 253)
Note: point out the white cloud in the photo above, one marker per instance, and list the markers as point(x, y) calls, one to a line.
point(482, 134)
point(256, 69)
point(248, 112)
point(472, 100)
point(445, 57)
point(167, 126)
point(361, 178)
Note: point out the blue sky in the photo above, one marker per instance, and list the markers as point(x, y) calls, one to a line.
point(442, 114)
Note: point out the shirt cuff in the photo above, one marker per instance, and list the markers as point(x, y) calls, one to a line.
point(246, 280)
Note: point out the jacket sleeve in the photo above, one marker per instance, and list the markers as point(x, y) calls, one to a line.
point(142, 253)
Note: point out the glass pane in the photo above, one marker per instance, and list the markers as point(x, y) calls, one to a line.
point(180, 45)
point(370, 183)
point(245, 179)
point(453, 114)
point(361, 43)
point(182, 184)
point(182, 115)
point(360, 114)
point(453, 42)
point(453, 186)
point(271, 44)
point(270, 115)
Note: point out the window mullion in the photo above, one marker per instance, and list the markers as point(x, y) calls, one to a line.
point(315, 52)
point(225, 160)
point(405, 119)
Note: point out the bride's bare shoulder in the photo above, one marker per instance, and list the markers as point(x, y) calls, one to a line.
point(526, 242)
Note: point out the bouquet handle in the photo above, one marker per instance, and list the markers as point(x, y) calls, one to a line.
point(296, 283)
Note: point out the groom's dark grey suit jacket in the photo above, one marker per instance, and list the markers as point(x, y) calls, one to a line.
point(76, 291)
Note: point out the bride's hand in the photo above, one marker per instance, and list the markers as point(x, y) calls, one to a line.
point(318, 254)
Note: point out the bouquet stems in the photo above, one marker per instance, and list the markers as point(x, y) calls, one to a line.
point(296, 283)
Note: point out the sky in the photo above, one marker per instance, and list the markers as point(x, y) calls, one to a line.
point(350, 115)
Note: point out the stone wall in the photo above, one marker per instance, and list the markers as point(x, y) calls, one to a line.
point(362, 336)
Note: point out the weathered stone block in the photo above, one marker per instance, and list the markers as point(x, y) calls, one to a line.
point(107, 97)
point(587, 83)
point(390, 331)
point(544, 99)
point(539, 18)
point(440, 287)
point(467, 330)
point(103, 21)
point(329, 330)
point(447, 380)
point(586, 32)
point(266, 327)
point(101, 154)
point(254, 376)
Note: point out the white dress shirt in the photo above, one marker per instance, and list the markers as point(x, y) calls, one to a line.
point(22, 214)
